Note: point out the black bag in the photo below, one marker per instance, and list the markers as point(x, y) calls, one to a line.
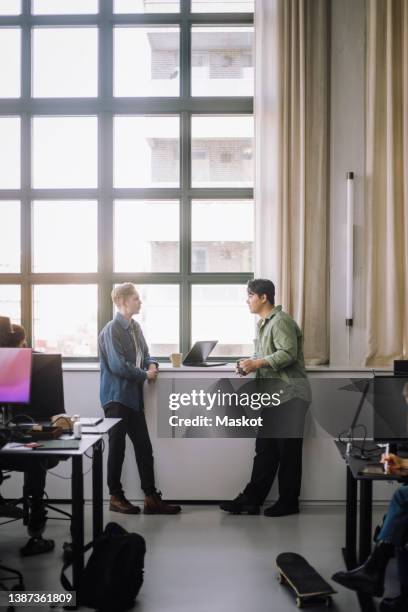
point(114, 573)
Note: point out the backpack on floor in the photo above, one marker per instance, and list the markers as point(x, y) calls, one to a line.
point(113, 574)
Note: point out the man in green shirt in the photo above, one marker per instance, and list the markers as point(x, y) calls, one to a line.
point(278, 357)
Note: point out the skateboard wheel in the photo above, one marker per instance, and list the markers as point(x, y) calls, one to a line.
point(328, 601)
point(299, 602)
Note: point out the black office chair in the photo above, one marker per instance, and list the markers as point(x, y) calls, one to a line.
point(11, 574)
point(10, 508)
point(8, 573)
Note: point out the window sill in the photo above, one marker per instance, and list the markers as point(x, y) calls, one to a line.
point(90, 366)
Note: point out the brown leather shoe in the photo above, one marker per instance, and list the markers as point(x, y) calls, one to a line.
point(119, 503)
point(154, 504)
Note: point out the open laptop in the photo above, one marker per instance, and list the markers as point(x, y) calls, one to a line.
point(59, 444)
point(198, 354)
point(90, 421)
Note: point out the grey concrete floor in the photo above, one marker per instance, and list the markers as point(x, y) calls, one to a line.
point(205, 560)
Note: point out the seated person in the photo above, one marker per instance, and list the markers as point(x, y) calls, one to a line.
point(5, 331)
point(391, 537)
point(17, 338)
point(35, 469)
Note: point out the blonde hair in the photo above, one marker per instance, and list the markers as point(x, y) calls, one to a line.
point(121, 292)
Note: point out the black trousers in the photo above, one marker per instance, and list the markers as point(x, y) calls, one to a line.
point(35, 472)
point(402, 561)
point(282, 457)
point(133, 424)
point(35, 469)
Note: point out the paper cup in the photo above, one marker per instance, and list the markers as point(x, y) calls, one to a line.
point(175, 359)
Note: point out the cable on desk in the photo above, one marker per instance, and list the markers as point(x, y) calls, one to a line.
point(84, 473)
point(102, 441)
point(16, 417)
point(354, 446)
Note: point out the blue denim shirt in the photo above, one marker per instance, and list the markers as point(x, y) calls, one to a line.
point(121, 380)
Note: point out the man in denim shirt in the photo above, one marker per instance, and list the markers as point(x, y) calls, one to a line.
point(125, 365)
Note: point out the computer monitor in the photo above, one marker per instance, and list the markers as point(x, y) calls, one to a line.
point(390, 408)
point(47, 389)
point(401, 367)
point(15, 376)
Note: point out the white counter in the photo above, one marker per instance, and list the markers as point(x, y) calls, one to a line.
point(197, 469)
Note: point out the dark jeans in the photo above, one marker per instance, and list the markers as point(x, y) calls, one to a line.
point(133, 424)
point(398, 507)
point(282, 456)
point(402, 561)
point(395, 531)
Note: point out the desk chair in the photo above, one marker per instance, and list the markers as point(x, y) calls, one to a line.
point(11, 574)
point(10, 508)
point(8, 573)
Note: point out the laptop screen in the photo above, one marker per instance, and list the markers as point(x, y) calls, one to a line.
point(199, 352)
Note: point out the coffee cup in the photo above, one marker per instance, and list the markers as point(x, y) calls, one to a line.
point(175, 359)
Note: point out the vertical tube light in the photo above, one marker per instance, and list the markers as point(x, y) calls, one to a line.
point(349, 248)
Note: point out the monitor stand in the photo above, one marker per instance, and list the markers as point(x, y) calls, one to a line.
point(5, 414)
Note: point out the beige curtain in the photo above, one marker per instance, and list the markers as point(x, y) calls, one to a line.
point(291, 160)
point(387, 180)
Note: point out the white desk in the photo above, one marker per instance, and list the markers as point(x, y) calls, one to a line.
point(77, 491)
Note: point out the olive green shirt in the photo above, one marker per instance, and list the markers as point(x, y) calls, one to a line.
point(280, 342)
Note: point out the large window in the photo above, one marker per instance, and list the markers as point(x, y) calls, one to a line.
point(126, 154)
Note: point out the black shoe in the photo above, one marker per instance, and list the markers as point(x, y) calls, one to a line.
point(37, 546)
point(240, 505)
point(369, 577)
point(394, 604)
point(282, 509)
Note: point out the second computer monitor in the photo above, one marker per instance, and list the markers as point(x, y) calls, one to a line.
point(47, 390)
point(390, 408)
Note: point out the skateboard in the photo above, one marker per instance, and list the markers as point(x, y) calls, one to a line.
point(306, 582)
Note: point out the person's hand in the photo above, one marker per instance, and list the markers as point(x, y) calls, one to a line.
point(250, 365)
point(238, 369)
point(393, 462)
point(152, 373)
